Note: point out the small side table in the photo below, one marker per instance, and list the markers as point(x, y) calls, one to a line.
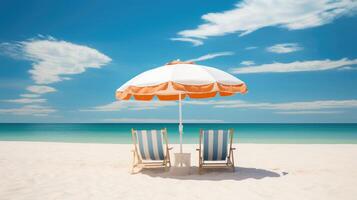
point(182, 164)
point(183, 160)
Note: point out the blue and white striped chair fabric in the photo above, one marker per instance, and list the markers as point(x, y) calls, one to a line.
point(150, 143)
point(215, 144)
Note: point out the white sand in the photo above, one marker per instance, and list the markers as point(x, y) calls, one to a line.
point(35, 170)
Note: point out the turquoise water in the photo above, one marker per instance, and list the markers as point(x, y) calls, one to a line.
point(120, 133)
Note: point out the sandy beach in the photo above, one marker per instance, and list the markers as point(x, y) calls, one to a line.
point(40, 170)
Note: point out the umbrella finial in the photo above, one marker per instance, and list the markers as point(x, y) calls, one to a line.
point(178, 61)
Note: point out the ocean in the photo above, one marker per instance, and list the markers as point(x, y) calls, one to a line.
point(120, 133)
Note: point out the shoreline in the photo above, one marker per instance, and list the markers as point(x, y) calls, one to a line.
point(235, 143)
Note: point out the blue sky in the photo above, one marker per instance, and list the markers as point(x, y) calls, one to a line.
point(62, 61)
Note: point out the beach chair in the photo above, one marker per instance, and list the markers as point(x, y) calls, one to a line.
point(215, 149)
point(151, 149)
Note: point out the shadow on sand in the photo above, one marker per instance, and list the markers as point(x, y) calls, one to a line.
point(241, 173)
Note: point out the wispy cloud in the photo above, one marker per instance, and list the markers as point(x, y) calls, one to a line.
point(247, 62)
point(347, 68)
point(40, 89)
point(284, 48)
point(25, 100)
point(195, 42)
point(308, 112)
point(251, 48)
point(29, 95)
point(158, 120)
point(304, 107)
point(298, 66)
point(13, 50)
point(212, 55)
point(130, 105)
point(34, 110)
point(251, 15)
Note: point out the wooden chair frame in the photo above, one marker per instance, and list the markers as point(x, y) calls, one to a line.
point(137, 160)
point(227, 163)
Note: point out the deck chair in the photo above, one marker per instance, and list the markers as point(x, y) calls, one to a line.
point(151, 149)
point(215, 149)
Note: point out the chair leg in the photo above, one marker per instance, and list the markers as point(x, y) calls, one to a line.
point(167, 162)
point(134, 163)
point(137, 163)
point(168, 159)
point(233, 162)
point(200, 167)
point(165, 166)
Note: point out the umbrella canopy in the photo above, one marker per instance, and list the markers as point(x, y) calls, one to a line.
point(185, 78)
point(177, 80)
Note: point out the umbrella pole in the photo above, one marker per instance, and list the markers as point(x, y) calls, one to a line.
point(180, 122)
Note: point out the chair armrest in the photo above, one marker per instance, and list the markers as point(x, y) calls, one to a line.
point(233, 148)
point(198, 149)
point(170, 148)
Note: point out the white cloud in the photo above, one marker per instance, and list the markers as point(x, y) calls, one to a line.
point(212, 55)
point(25, 100)
point(54, 60)
point(347, 68)
point(34, 110)
point(158, 120)
point(247, 62)
point(13, 50)
point(131, 105)
point(302, 107)
point(40, 89)
point(288, 106)
point(251, 48)
point(194, 42)
point(251, 15)
point(297, 66)
point(284, 48)
point(307, 112)
point(29, 95)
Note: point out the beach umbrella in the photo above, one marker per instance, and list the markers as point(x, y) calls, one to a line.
point(177, 80)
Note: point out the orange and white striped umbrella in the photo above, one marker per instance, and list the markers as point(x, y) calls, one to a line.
point(177, 80)
point(186, 78)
